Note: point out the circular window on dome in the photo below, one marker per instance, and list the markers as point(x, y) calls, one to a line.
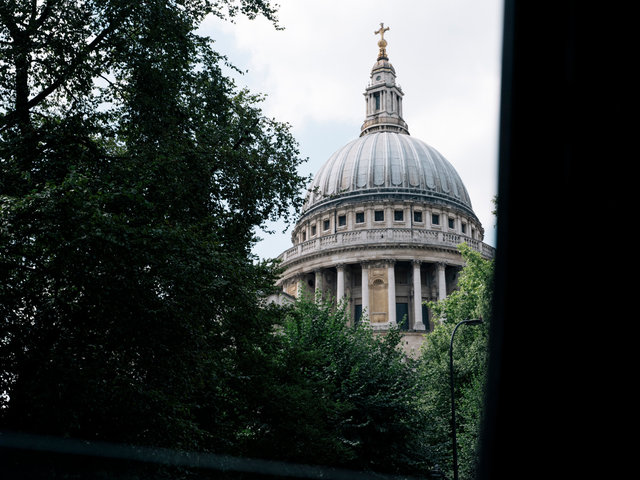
point(378, 77)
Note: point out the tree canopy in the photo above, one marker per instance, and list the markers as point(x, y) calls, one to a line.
point(344, 396)
point(133, 174)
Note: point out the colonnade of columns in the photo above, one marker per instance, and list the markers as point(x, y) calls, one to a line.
point(418, 321)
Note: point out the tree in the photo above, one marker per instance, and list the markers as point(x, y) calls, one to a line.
point(343, 397)
point(471, 300)
point(133, 175)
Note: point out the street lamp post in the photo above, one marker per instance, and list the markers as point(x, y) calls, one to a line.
point(453, 404)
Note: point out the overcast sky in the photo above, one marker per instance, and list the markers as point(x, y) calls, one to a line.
point(447, 57)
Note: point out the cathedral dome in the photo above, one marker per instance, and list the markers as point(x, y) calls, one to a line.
point(388, 164)
point(385, 162)
point(383, 221)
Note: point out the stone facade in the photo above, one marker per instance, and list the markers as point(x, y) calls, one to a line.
point(382, 222)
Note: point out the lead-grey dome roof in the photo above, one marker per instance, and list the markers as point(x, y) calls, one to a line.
point(388, 164)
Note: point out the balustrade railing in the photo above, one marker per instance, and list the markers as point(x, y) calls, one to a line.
point(384, 235)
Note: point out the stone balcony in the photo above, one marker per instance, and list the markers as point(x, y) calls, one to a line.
point(377, 236)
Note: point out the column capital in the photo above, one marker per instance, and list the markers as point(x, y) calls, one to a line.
point(416, 262)
point(340, 266)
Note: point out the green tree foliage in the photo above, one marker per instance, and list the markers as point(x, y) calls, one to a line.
point(471, 300)
point(343, 397)
point(132, 177)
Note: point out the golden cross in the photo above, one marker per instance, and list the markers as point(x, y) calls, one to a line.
point(382, 43)
point(381, 31)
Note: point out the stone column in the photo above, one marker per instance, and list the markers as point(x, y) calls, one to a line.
point(318, 284)
point(391, 290)
point(417, 297)
point(442, 282)
point(365, 289)
point(340, 282)
point(299, 285)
